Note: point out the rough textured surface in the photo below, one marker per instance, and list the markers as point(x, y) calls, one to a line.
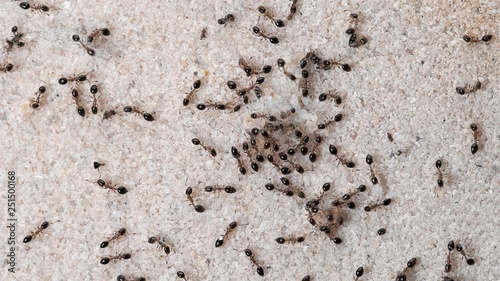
point(403, 82)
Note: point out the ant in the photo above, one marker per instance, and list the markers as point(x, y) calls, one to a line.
point(105, 185)
point(287, 192)
point(474, 39)
point(346, 163)
point(271, 118)
point(76, 97)
point(197, 208)
point(181, 275)
point(328, 123)
point(221, 238)
point(35, 102)
point(107, 259)
point(304, 83)
point(209, 149)
point(108, 114)
point(98, 33)
point(336, 98)
point(359, 273)
point(348, 196)
point(161, 244)
point(467, 89)
point(273, 39)
point(281, 64)
point(121, 232)
point(372, 207)
point(290, 240)
point(236, 154)
point(82, 77)
point(93, 91)
point(147, 116)
point(7, 67)
point(97, 165)
point(354, 18)
point(293, 10)
point(314, 203)
point(189, 96)
point(475, 133)
point(381, 231)
point(461, 250)
point(203, 33)
point(216, 188)
point(314, 148)
point(451, 247)
point(251, 257)
point(15, 41)
point(36, 7)
point(36, 232)
point(440, 173)
point(226, 19)
point(269, 15)
point(328, 64)
point(287, 113)
point(369, 161)
point(123, 278)
point(89, 50)
point(410, 264)
point(249, 71)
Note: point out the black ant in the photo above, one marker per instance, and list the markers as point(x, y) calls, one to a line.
point(89, 50)
point(98, 33)
point(123, 278)
point(461, 250)
point(236, 154)
point(82, 77)
point(15, 41)
point(209, 149)
point(216, 188)
point(108, 114)
point(328, 123)
point(249, 71)
point(161, 244)
point(36, 7)
point(304, 83)
point(197, 208)
point(271, 118)
point(281, 64)
point(328, 64)
point(348, 196)
point(369, 161)
point(293, 10)
point(181, 275)
point(221, 238)
point(475, 133)
point(273, 39)
point(451, 247)
point(121, 232)
point(468, 88)
point(36, 101)
point(226, 19)
point(36, 232)
point(359, 273)
point(7, 67)
point(336, 98)
point(107, 259)
point(76, 97)
point(410, 264)
point(375, 206)
point(290, 240)
point(354, 18)
point(107, 185)
point(132, 109)
point(474, 39)
point(346, 163)
point(287, 113)
point(93, 91)
point(251, 257)
point(97, 165)
point(287, 191)
point(313, 155)
point(440, 173)
point(189, 96)
point(269, 15)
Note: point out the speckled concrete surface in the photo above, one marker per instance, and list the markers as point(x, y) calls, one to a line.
point(402, 81)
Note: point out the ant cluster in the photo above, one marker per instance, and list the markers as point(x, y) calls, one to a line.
point(448, 264)
point(355, 40)
point(15, 41)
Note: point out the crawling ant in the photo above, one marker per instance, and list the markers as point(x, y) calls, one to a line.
point(328, 123)
point(108, 114)
point(359, 273)
point(269, 15)
point(35, 102)
point(251, 257)
point(15, 41)
point(36, 232)
point(76, 97)
point(98, 33)
point(236, 154)
point(336, 98)
point(197, 208)
point(410, 264)
point(375, 206)
point(474, 39)
point(97, 165)
point(314, 148)
point(161, 244)
point(440, 173)
point(221, 238)
point(209, 149)
point(107, 259)
point(451, 247)
point(468, 88)
point(93, 91)
point(89, 50)
point(293, 10)
point(181, 275)
point(7, 67)
point(354, 18)
point(121, 232)
point(304, 83)
point(475, 133)
point(281, 64)
point(36, 7)
point(369, 161)
point(273, 39)
point(123, 278)
point(82, 77)
point(271, 118)
point(249, 71)
point(287, 113)
point(328, 64)
point(133, 109)
point(461, 250)
point(290, 240)
point(317, 201)
point(226, 19)
point(346, 163)
point(217, 188)
point(348, 196)
point(105, 185)
point(189, 96)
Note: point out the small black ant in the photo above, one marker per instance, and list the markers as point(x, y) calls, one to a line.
point(226, 19)
point(251, 257)
point(189, 96)
point(451, 247)
point(161, 244)
point(468, 88)
point(97, 165)
point(249, 71)
point(181, 275)
point(36, 232)
point(82, 77)
point(440, 173)
point(107, 259)
point(474, 39)
point(236, 154)
point(354, 18)
point(98, 33)
point(346, 163)
point(293, 10)
point(328, 123)
point(369, 161)
point(197, 208)
point(359, 273)
point(123, 278)
point(269, 15)
point(281, 64)
point(328, 64)
point(333, 94)
point(221, 238)
point(7, 67)
point(36, 101)
point(287, 113)
point(76, 97)
point(375, 206)
point(304, 83)
point(132, 109)
point(410, 264)
point(273, 39)
point(15, 41)
point(93, 91)
point(461, 250)
point(108, 114)
point(209, 149)
point(89, 50)
point(290, 240)
point(36, 7)
point(121, 232)
point(216, 188)
point(107, 185)
point(475, 133)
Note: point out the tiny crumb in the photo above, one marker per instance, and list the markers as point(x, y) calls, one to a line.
point(389, 136)
point(203, 33)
